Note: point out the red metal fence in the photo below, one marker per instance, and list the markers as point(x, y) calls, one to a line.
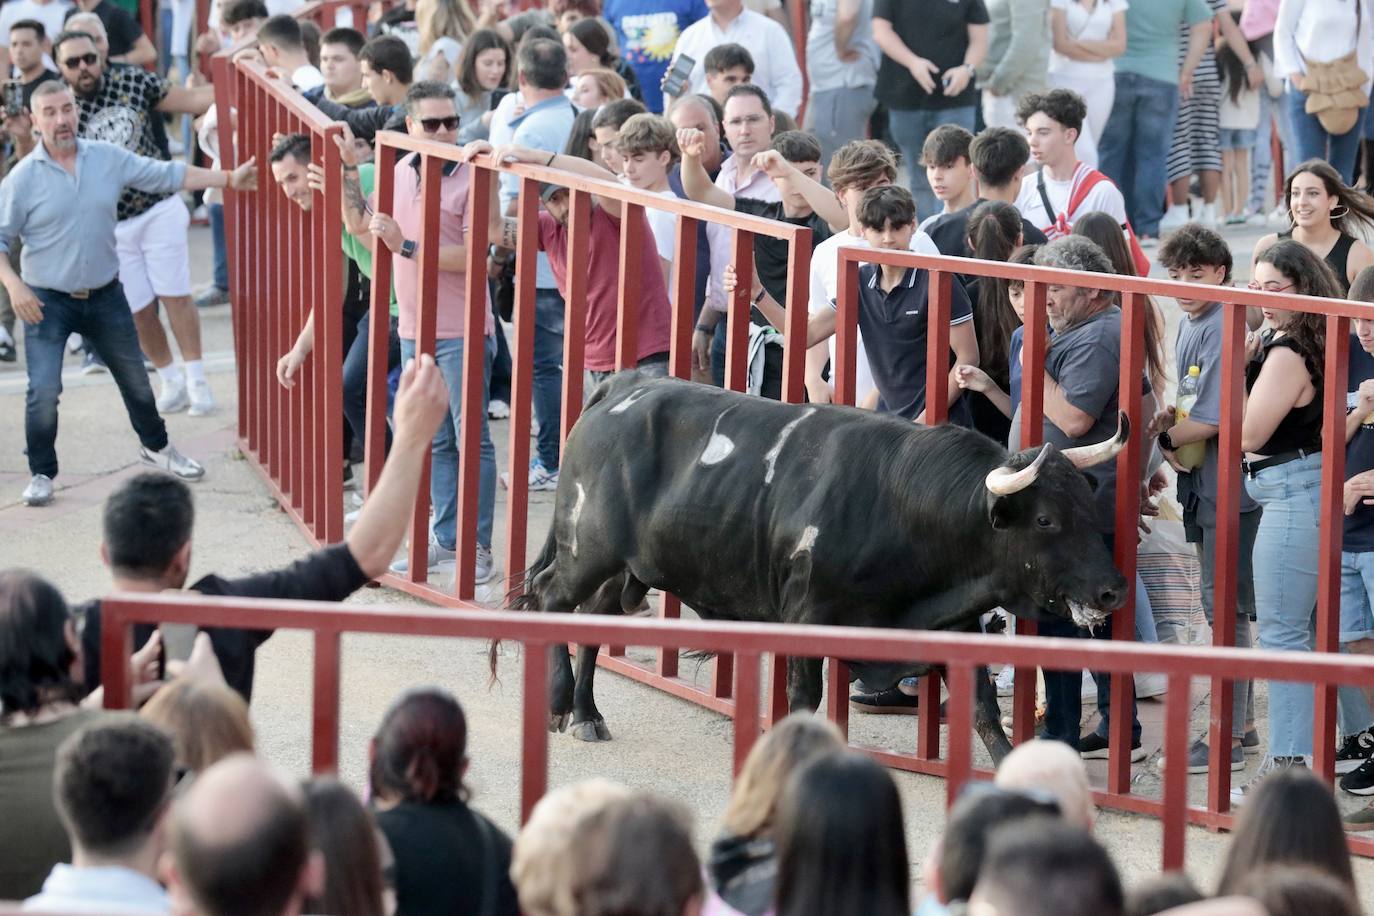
point(749, 643)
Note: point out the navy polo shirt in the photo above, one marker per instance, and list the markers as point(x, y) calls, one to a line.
point(893, 325)
point(1359, 452)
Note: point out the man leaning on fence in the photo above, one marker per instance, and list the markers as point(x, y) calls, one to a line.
point(60, 201)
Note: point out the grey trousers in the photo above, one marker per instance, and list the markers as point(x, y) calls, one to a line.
point(837, 116)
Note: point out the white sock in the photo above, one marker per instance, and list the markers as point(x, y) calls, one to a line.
point(5, 336)
point(171, 375)
point(195, 370)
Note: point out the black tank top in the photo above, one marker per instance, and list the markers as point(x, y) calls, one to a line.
point(1337, 258)
point(1301, 427)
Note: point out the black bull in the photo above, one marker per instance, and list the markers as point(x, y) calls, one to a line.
point(750, 509)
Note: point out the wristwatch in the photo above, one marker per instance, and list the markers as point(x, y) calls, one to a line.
point(1166, 443)
point(408, 248)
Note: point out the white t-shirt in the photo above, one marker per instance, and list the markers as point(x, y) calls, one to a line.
point(1086, 26)
point(52, 14)
point(775, 62)
point(1103, 196)
point(825, 271)
point(664, 226)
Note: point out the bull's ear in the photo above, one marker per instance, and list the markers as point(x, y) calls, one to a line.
point(1000, 511)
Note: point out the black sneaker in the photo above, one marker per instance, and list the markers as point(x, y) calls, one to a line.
point(1359, 781)
point(890, 702)
point(1354, 751)
point(1094, 747)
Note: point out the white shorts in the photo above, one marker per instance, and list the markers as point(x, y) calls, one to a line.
point(154, 260)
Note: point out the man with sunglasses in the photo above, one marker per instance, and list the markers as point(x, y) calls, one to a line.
point(123, 105)
point(432, 113)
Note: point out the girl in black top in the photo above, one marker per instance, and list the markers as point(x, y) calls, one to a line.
point(1326, 217)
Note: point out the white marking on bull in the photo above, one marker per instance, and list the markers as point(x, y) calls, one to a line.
point(808, 540)
point(770, 458)
point(577, 514)
point(1089, 618)
point(719, 446)
point(629, 401)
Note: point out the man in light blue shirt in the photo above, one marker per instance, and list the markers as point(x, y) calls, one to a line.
point(61, 200)
point(112, 785)
point(545, 124)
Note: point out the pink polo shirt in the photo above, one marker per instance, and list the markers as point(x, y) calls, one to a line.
point(408, 207)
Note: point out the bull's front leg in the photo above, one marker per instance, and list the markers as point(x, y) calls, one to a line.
point(987, 717)
point(587, 723)
point(803, 684)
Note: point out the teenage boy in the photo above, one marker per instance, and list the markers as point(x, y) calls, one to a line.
point(803, 152)
point(727, 66)
point(606, 130)
point(1194, 254)
point(997, 157)
point(341, 69)
point(647, 148)
point(946, 160)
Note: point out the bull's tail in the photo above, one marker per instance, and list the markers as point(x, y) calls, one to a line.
point(524, 598)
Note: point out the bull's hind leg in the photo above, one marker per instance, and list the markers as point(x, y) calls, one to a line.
point(803, 684)
point(560, 687)
point(555, 591)
point(587, 722)
point(987, 717)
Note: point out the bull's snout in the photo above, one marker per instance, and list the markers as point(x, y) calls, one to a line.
point(1111, 597)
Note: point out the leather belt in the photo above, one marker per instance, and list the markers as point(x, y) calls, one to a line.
point(1251, 468)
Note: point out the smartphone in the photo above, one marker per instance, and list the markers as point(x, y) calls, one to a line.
point(675, 80)
point(14, 98)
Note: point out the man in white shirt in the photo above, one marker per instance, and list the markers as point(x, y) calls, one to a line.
point(52, 13)
point(1053, 121)
point(283, 48)
point(775, 63)
point(112, 786)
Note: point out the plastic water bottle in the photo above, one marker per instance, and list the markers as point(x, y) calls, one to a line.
point(1189, 456)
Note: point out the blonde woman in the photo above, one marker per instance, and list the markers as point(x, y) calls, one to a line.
point(443, 26)
point(593, 88)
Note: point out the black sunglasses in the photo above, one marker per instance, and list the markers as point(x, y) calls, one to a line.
point(89, 58)
point(432, 125)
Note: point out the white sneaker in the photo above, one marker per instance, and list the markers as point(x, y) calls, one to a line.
point(486, 566)
point(201, 400)
point(74, 343)
point(173, 398)
point(498, 410)
point(1208, 215)
point(173, 462)
point(1089, 690)
point(39, 491)
point(1175, 217)
point(435, 557)
point(1005, 682)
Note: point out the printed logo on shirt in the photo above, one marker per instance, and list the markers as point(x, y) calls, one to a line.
point(117, 124)
point(650, 37)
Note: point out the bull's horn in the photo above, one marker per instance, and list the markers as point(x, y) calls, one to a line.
point(1003, 481)
point(1085, 456)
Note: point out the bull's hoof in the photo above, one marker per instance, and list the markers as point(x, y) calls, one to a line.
point(591, 730)
point(559, 723)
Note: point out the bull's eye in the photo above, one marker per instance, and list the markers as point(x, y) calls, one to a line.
point(1044, 522)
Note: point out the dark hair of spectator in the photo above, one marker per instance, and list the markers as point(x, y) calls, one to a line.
point(1292, 820)
point(971, 823)
point(1359, 207)
point(1362, 290)
point(535, 32)
point(543, 63)
point(427, 89)
point(112, 781)
point(634, 857)
point(998, 154)
point(994, 234)
point(1106, 232)
point(751, 90)
point(389, 53)
point(35, 656)
point(146, 521)
point(349, 38)
point(420, 749)
point(585, 7)
point(862, 163)
point(33, 25)
point(281, 31)
point(1232, 69)
point(237, 11)
point(310, 41)
point(1063, 106)
point(593, 35)
point(727, 57)
point(945, 146)
point(1162, 893)
point(888, 204)
point(346, 837)
point(797, 146)
point(207, 722)
point(1046, 867)
point(1310, 276)
point(1025, 255)
point(841, 843)
point(294, 146)
point(615, 114)
point(69, 35)
point(581, 136)
point(478, 42)
point(1300, 891)
point(1194, 245)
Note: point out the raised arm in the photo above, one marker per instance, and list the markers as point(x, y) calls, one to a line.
point(243, 178)
point(574, 164)
point(821, 198)
point(187, 101)
point(695, 181)
point(141, 53)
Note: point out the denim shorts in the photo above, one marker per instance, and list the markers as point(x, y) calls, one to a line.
point(1357, 596)
point(1238, 138)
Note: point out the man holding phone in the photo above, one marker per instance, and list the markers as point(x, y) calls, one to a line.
point(775, 63)
point(647, 31)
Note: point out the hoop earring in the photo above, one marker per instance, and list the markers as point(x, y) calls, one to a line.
point(1335, 215)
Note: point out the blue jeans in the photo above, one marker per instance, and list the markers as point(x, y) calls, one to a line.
point(1262, 157)
point(1243, 694)
point(501, 368)
point(443, 472)
point(106, 324)
point(1134, 149)
point(548, 374)
point(217, 242)
point(909, 128)
point(1311, 141)
point(355, 376)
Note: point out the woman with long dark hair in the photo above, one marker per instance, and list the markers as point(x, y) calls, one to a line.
point(994, 234)
point(448, 858)
point(347, 839)
point(486, 68)
point(589, 44)
point(841, 843)
point(1327, 217)
point(1281, 437)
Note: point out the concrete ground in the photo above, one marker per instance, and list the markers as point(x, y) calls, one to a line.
point(662, 744)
